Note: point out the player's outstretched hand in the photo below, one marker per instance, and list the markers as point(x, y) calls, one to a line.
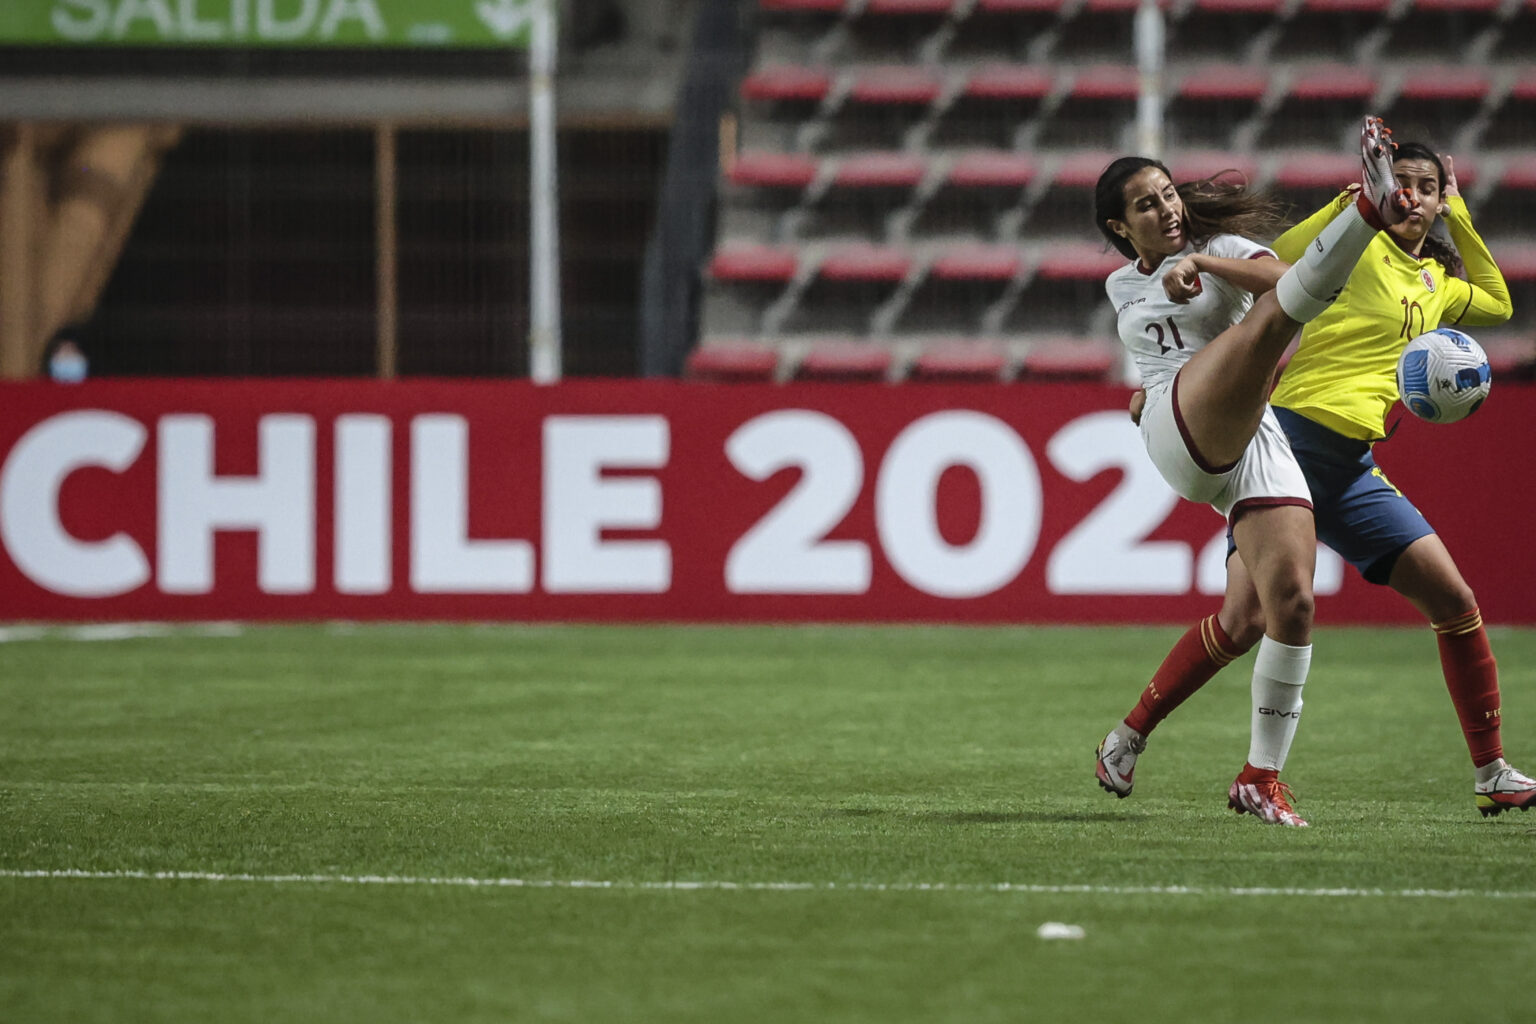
point(1451, 188)
point(1182, 283)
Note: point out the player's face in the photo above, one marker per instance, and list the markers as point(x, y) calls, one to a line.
point(1421, 178)
point(1154, 216)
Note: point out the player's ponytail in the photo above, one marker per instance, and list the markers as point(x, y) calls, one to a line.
point(1218, 206)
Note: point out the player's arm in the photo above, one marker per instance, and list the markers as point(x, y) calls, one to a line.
point(1256, 274)
point(1290, 245)
point(1483, 299)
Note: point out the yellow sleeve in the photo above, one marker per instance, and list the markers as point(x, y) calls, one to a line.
point(1483, 299)
point(1290, 245)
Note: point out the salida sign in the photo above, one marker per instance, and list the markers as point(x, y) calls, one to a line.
point(283, 23)
point(640, 501)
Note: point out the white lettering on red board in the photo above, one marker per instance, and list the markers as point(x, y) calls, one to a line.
point(790, 549)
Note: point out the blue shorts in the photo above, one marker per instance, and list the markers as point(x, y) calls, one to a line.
point(1359, 513)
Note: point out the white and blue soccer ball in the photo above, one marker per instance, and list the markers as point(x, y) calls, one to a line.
point(1443, 376)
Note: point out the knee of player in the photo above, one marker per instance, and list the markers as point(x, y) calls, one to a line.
point(1289, 602)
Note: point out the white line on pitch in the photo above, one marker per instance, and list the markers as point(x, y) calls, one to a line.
point(720, 886)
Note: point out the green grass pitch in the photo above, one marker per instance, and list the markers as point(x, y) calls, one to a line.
point(790, 824)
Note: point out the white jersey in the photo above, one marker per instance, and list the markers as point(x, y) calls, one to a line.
point(1162, 334)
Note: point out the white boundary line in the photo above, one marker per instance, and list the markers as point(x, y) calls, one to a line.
point(719, 886)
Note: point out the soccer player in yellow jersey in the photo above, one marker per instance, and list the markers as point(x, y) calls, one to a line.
point(1332, 402)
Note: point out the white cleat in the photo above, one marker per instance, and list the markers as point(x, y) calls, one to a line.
point(1270, 802)
point(1508, 790)
point(1392, 203)
point(1117, 760)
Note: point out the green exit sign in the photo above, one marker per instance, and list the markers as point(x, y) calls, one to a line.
point(267, 23)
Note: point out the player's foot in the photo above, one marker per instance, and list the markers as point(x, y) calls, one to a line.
point(1508, 790)
point(1389, 203)
point(1117, 760)
point(1269, 800)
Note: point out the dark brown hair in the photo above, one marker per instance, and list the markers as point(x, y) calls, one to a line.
point(1212, 205)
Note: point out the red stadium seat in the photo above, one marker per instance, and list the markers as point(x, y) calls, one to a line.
point(865, 262)
point(1009, 82)
point(1222, 28)
point(750, 261)
point(845, 360)
point(1225, 82)
point(899, 7)
point(1079, 261)
point(1322, 106)
point(1510, 357)
point(803, 6)
point(786, 84)
point(978, 263)
point(732, 360)
point(900, 86)
point(772, 170)
point(1519, 173)
point(880, 170)
point(1447, 82)
point(960, 360)
point(1311, 179)
point(1518, 262)
point(1194, 165)
point(1070, 359)
point(1212, 101)
point(995, 100)
point(991, 169)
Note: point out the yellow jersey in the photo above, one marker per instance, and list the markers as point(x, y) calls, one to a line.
point(1344, 373)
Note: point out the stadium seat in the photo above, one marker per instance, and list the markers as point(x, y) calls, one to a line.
point(1517, 35)
point(960, 361)
point(1192, 165)
point(850, 284)
point(1311, 179)
point(1099, 30)
point(732, 361)
point(865, 189)
point(1098, 110)
point(1517, 109)
point(1065, 207)
point(845, 361)
point(980, 191)
point(1226, 29)
point(882, 105)
point(1212, 101)
point(750, 261)
point(961, 284)
point(1007, 29)
point(1509, 211)
point(994, 103)
point(1435, 28)
point(1321, 106)
point(761, 187)
point(1066, 290)
point(1448, 95)
point(1069, 358)
point(786, 84)
point(1339, 29)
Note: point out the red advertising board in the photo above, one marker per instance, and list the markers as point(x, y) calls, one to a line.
point(663, 501)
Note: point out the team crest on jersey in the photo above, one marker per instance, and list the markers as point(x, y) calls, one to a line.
point(1428, 279)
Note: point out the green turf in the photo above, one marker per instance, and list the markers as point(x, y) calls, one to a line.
point(840, 758)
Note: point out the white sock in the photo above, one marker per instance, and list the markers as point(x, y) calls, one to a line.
point(1315, 280)
point(1279, 671)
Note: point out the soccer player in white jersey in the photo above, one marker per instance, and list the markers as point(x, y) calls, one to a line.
point(1206, 314)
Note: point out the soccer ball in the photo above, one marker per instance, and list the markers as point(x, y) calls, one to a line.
point(1443, 376)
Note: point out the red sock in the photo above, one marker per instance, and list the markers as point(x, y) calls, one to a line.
point(1472, 676)
point(1199, 655)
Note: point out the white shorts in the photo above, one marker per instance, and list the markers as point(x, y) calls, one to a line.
point(1267, 474)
